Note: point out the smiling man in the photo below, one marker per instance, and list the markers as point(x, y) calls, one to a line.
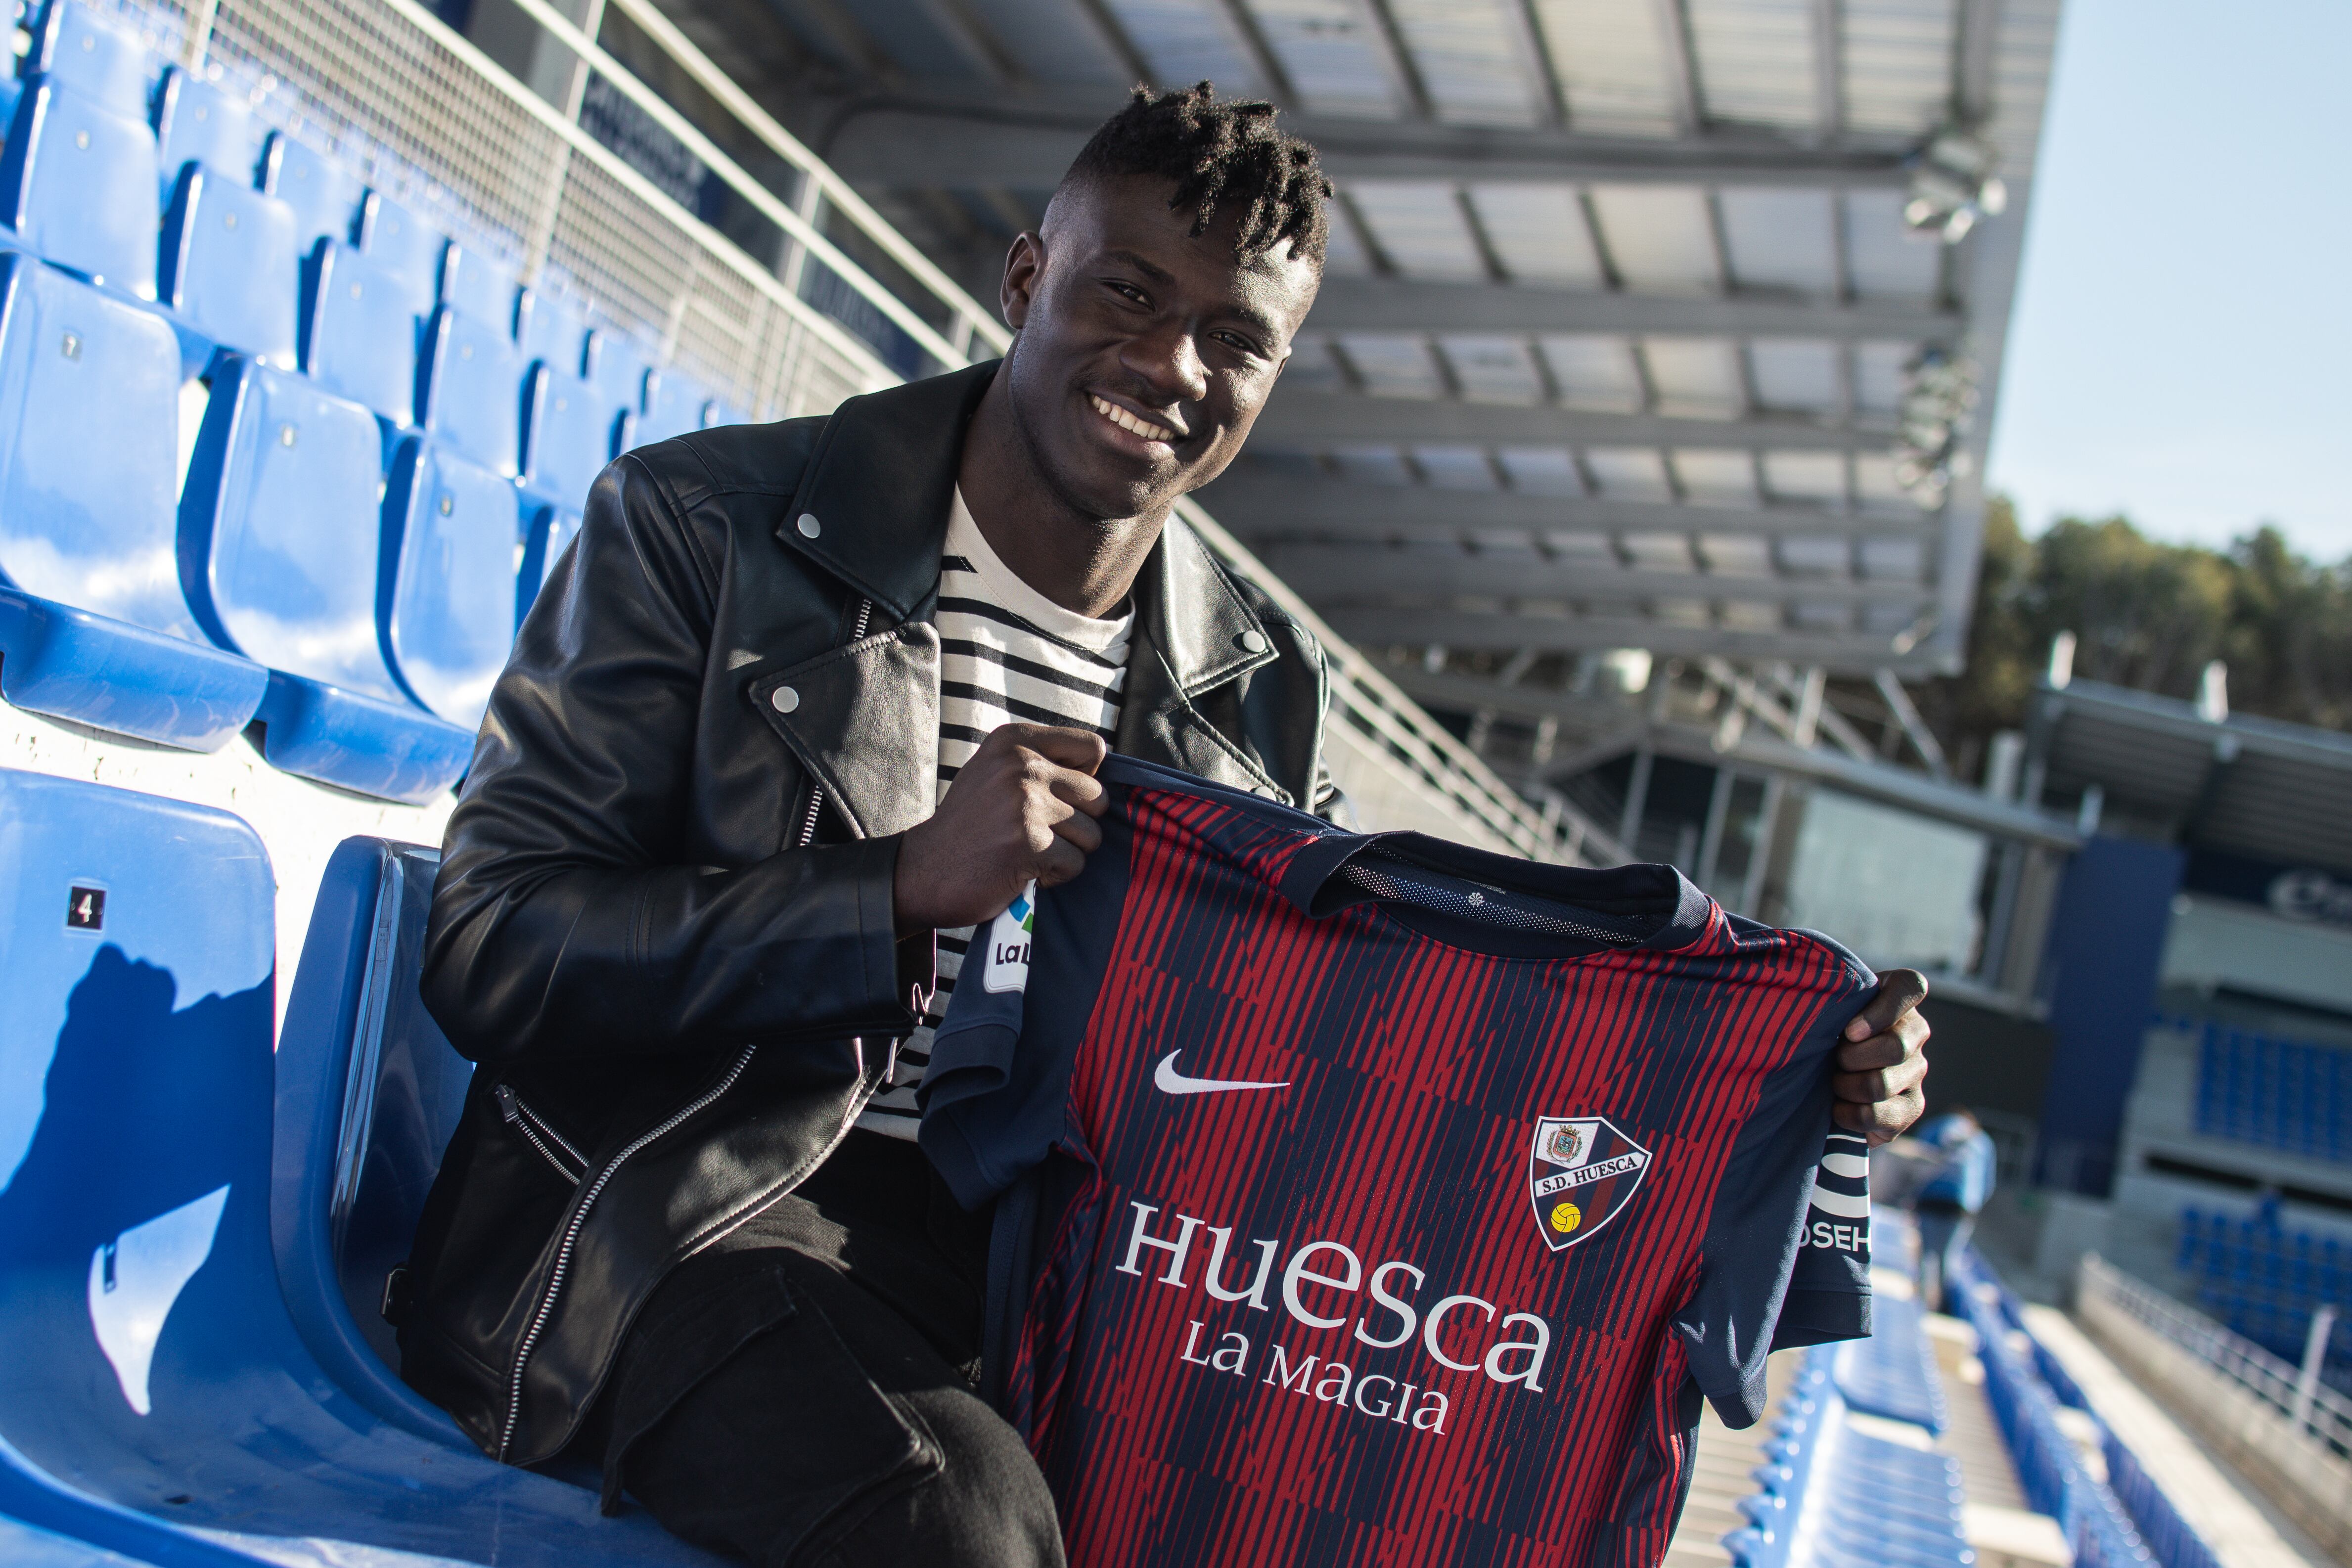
point(804, 703)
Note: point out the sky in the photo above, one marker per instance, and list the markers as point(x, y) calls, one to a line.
point(2180, 350)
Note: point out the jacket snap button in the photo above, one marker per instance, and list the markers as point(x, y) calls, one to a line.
point(784, 699)
point(1253, 643)
point(808, 526)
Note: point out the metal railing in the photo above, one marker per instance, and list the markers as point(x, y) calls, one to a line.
point(2271, 1379)
point(391, 90)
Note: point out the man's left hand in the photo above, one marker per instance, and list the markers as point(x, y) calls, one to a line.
point(1882, 1060)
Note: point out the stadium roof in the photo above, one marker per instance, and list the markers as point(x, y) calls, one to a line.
point(1621, 341)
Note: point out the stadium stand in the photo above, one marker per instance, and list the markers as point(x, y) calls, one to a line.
point(2265, 1280)
point(2281, 1093)
point(196, 1425)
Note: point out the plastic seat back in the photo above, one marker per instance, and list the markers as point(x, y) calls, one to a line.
point(368, 1091)
point(359, 331)
point(80, 183)
point(153, 1372)
point(198, 121)
point(404, 245)
point(470, 388)
point(96, 56)
point(445, 592)
point(281, 528)
point(615, 368)
point(549, 331)
point(89, 389)
point(548, 531)
point(567, 437)
point(325, 196)
point(675, 404)
point(477, 283)
point(229, 265)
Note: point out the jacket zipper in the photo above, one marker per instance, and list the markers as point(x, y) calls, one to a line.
point(571, 1165)
point(587, 1199)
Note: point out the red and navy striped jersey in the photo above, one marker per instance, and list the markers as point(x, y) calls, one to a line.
point(1373, 1199)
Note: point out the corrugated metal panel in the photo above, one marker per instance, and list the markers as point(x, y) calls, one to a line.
point(1372, 465)
point(1658, 551)
point(1735, 555)
point(1659, 237)
point(1814, 555)
point(1594, 370)
point(1695, 378)
point(1492, 369)
point(1886, 617)
point(1611, 62)
point(1468, 56)
point(1782, 239)
point(1682, 611)
point(1312, 366)
point(1185, 41)
point(1344, 255)
point(1541, 470)
point(1455, 468)
point(2022, 51)
point(1876, 486)
point(1051, 45)
point(1878, 376)
point(1894, 560)
point(1886, 259)
point(1897, 75)
point(1508, 544)
point(1327, 50)
point(1811, 617)
point(1392, 365)
point(1583, 547)
point(1750, 615)
point(1716, 479)
point(1539, 233)
point(1798, 373)
point(1815, 476)
point(1755, 60)
point(1629, 473)
point(1419, 227)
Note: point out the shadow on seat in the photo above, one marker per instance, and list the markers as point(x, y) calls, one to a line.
point(157, 1398)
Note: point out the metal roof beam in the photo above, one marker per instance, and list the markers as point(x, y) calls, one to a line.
point(1262, 506)
point(1394, 304)
point(1326, 573)
point(915, 140)
point(1298, 416)
point(1374, 627)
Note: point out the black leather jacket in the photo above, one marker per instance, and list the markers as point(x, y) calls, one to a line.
point(679, 998)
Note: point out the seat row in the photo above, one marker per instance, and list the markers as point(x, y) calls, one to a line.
point(2288, 1094)
point(319, 496)
point(195, 1229)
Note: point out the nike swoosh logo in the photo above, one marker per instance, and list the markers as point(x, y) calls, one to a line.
point(1170, 1082)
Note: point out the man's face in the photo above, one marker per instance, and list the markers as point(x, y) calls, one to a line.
point(1145, 352)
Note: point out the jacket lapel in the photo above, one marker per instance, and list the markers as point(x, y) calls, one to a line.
point(865, 720)
point(1193, 632)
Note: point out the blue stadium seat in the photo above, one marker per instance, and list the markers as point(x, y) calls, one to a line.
point(79, 185)
point(97, 57)
point(230, 273)
point(548, 530)
point(470, 388)
point(397, 240)
point(1892, 1373)
point(446, 592)
point(93, 627)
point(325, 196)
point(23, 1546)
point(280, 530)
point(675, 404)
point(359, 331)
point(548, 329)
point(197, 122)
point(567, 437)
point(156, 1385)
point(477, 283)
point(615, 366)
point(368, 1091)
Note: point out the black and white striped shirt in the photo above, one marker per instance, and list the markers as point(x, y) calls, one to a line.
point(1007, 652)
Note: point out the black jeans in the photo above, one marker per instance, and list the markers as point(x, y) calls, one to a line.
point(802, 1394)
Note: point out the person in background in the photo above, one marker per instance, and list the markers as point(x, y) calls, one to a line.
point(1958, 1179)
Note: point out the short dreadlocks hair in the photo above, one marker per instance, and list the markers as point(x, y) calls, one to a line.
point(1219, 155)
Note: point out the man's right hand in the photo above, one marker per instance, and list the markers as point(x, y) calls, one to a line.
point(1023, 808)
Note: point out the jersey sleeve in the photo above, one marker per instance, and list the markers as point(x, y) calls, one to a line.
point(971, 1134)
point(1787, 1254)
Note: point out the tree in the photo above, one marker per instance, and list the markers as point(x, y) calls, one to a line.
point(2148, 615)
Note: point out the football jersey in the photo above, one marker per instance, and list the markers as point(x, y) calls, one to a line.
point(1374, 1199)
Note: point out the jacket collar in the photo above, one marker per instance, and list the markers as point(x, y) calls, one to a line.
point(879, 485)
